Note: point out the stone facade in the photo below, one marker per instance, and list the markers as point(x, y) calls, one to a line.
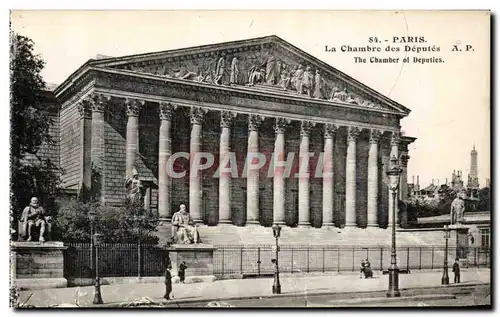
point(143, 109)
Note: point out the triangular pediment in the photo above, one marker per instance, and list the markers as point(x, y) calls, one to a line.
point(268, 63)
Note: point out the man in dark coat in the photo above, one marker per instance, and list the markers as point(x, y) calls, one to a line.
point(168, 281)
point(456, 271)
point(182, 272)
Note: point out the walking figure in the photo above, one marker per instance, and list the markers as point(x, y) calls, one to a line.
point(366, 269)
point(168, 281)
point(456, 271)
point(182, 271)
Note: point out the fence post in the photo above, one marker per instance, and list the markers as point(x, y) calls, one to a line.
point(292, 261)
point(432, 258)
point(223, 262)
point(258, 261)
point(139, 259)
point(353, 259)
point(408, 259)
point(308, 260)
point(381, 257)
point(338, 260)
point(420, 260)
point(241, 260)
point(475, 257)
point(323, 260)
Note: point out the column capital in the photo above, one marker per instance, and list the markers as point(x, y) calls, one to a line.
point(134, 106)
point(305, 128)
point(166, 110)
point(352, 133)
point(280, 125)
point(84, 109)
point(375, 135)
point(98, 101)
point(330, 130)
point(395, 138)
point(254, 122)
point(226, 117)
point(197, 114)
point(404, 157)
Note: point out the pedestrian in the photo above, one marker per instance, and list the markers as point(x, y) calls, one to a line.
point(182, 271)
point(368, 269)
point(168, 281)
point(456, 271)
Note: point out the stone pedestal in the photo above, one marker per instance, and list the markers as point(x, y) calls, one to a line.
point(37, 265)
point(199, 259)
point(459, 237)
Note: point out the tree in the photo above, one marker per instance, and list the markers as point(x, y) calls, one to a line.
point(116, 224)
point(31, 175)
point(484, 199)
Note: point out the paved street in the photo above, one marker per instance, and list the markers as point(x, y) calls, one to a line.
point(226, 289)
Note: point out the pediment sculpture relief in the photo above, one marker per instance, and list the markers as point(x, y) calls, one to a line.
point(251, 68)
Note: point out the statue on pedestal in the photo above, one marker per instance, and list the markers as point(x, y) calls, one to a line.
point(134, 190)
point(35, 215)
point(457, 209)
point(184, 230)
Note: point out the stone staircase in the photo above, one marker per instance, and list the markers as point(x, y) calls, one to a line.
point(259, 235)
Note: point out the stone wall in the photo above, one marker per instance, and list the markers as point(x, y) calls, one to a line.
point(69, 125)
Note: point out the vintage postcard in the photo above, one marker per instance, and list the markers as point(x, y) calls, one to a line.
point(250, 159)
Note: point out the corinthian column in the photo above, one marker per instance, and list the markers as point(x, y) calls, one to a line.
point(403, 191)
point(394, 152)
point(98, 104)
point(252, 173)
point(165, 150)
point(133, 109)
point(328, 179)
point(225, 177)
point(350, 177)
point(305, 131)
point(373, 178)
point(84, 109)
point(195, 176)
point(279, 171)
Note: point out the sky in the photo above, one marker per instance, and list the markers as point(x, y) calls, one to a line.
point(449, 101)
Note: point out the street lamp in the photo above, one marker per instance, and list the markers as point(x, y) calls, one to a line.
point(94, 242)
point(445, 280)
point(276, 284)
point(97, 290)
point(393, 174)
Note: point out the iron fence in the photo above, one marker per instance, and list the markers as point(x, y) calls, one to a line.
point(233, 260)
point(133, 260)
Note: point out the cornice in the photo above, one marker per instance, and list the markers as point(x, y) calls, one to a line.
point(230, 47)
point(239, 91)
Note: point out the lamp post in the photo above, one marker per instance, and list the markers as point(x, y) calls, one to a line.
point(393, 174)
point(94, 242)
point(97, 290)
point(445, 280)
point(276, 284)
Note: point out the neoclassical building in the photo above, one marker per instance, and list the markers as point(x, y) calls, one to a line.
point(233, 100)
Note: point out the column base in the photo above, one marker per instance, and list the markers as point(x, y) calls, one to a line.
point(372, 225)
point(252, 223)
point(304, 224)
point(351, 225)
point(281, 223)
point(225, 222)
point(328, 225)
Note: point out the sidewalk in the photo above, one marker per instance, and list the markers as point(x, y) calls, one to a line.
point(224, 289)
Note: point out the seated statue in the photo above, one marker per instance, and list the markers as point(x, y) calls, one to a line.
point(35, 215)
point(184, 230)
